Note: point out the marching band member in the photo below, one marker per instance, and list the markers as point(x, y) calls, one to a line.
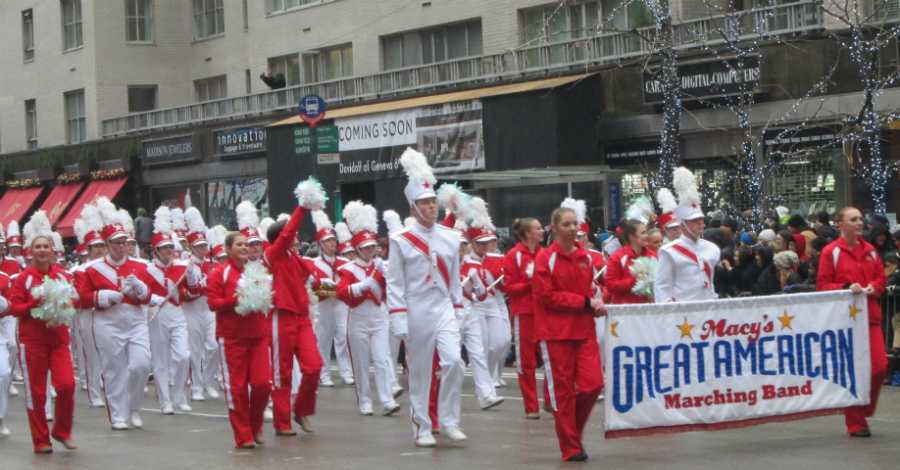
point(116, 287)
point(292, 329)
point(565, 304)
point(850, 262)
point(497, 325)
point(243, 336)
point(619, 279)
point(83, 326)
point(424, 299)
point(598, 258)
point(394, 225)
point(12, 265)
point(5, 362)
point(168, 327)
point(248, 222)
point(344, 248)
point(687, 265)
point(44, 338)
point(362, 288)
point(131, 243)
point(667, 220)
point(201, 322)
point(331, 328)
point(216, 236)
point(518, 271)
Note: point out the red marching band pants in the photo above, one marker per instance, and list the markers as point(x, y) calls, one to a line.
point(293, 336)
point(36, 360)
point(247, 374)
point(526, 361)
point(855, 416)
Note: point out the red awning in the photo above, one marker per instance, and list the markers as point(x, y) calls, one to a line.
point(16, 202)
point(95, 189)
point(62, 196)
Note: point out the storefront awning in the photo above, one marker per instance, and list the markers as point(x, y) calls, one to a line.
point(95, 189)
point(60, 199)
point(16, 202)
point(534, 176)
point(409, 103)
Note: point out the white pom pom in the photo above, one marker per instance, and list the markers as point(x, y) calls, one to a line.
point(416, 166)
point(392, 221)
point(640, 210)
point(321, 220)
point(310, 194)
point(254, 290)
point(361, 217)
point(56, 308)
point(343, 232)
point(247, 216)
point(194, 220)
point(666, 200)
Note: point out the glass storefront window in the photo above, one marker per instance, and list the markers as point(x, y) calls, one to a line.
point(177, 196)
point(224, 195)
point(806, 183)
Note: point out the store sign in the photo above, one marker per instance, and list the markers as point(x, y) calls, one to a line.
point(326, 140)
point(174, 149)
point(450, 136)
point(240, 141)
point(710, 79)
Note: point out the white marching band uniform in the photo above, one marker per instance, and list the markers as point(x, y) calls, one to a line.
point(201, 325)
point(478, 304)
point(170, 353)
point(331, 327)
point(497, 330)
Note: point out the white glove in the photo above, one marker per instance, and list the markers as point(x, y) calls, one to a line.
point(138, 290)
point(107, 298)
point(475, 282)
point(328, 282)
point(4, 305)
point(193, 275)
point(399, 327)
point(156, 301)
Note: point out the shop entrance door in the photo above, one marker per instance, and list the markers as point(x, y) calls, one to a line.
point(363, 191)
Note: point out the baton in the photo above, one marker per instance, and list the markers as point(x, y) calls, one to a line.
point(599, 273)
point(494, 284)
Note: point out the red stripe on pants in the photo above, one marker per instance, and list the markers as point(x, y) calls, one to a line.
point(249, 380)
point(576, 382)
point(433, 391)
point(57, 360)
point(855, 416)
point(296, 338)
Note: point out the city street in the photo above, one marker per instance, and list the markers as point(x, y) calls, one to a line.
point(498, 439)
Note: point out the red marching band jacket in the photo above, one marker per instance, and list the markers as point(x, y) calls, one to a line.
point(221, 295)
point(465, 270)
point(840, 266)
point(32, 330)
point(563, 285)
point(517, 283)
point(619, 280)
point(493, 265)
point(175, 275)
point(348, 277)
point(101, 274)
point(290, 271)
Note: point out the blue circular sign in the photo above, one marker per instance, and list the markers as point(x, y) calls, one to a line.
point(312, 106)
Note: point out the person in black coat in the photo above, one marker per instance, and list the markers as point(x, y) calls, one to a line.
point(767, 282)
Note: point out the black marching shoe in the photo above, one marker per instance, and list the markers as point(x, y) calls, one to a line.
point(863, 433)
point(579, 457)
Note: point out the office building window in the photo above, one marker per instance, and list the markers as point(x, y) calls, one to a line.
point(76, 123)
point(71, 17)
point(139, 20)
point(31, 130)
point(28, 35)
point(212, 88)
point(446, 42)
point(209, 18)
point(328, 64)
point(141, 98)
point(289, 66)
point(275, 6)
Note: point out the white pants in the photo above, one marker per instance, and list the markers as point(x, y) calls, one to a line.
point(5, 378)
point(201, 326)
point(395, 353)
point(368, 343)
point(82, 328)
point(8, 332)
point(331, 329)
point(433, 330)
point(497, 338)
point(472, 337)
point(171, 354)
point(123, 345)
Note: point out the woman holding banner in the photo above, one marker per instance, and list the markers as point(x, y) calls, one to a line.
point(564, 311)
point(852, 263)
point(623, 268)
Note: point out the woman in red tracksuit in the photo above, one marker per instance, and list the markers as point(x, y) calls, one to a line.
point(43, 349)
point(518, 270)
point(852, 263)
point(619, 280)
point(564, 309)
point(243, 347)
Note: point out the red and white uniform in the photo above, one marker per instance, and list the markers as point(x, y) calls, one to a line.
point(685, 271)
point(478, 302)
point(362, 288)
point(201, 325)
point(5, 360)
point(331, 325)
point(120, 331)
point(11, 267)
point(495, 318)
point(244, 353)
point(563, 287)
point(518, 269)
point(424, 295)
point(619, 281)
point(839, 267)
point(43, 349)
point(83, 328)
point(292, 329)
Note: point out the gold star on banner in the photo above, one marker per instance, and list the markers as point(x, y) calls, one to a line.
point(612, 329)
point(686, 329)
point(854, 311)
point(785, 320)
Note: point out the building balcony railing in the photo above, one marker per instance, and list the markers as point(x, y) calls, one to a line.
point(558, 57)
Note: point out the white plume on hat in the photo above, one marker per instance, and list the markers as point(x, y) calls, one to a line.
point(90, 214)
point(310, 194)
point(421, 178)
point(108, 213)
point(194, 220)
point(37, 226)
point(178, 221)
point(57, 242)
point(13, 229)
point(640, 210)
point(126, 221)
point(80, 229)
point(215, 236)
point(688, 195)
point(666, 200)
point(343, 232)
point(187, 200)
point(321, 220)
point(361, 217)
point(247, 216)
point(577, 206)
point(392, 221)
point(479, 217)
point(264, 225)
point(162, 220)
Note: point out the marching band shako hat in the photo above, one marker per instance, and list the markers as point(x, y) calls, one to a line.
point(481, 227)
point(362, 222)
point(14, 237)
point(248, 221)
point(112, 222)
point(421, 178)
point(688, 195)
point(196, 227)
point(667, 206)
point(324, 227)
point(162, 228)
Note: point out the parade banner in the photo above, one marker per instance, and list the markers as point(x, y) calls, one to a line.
point(729, 363)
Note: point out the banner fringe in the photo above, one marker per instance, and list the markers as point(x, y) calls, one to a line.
point(721, 426)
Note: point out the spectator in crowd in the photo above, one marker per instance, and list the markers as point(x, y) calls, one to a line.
point(143, 228)
point(767, 281)
point(879, 237)
point(787, 264)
